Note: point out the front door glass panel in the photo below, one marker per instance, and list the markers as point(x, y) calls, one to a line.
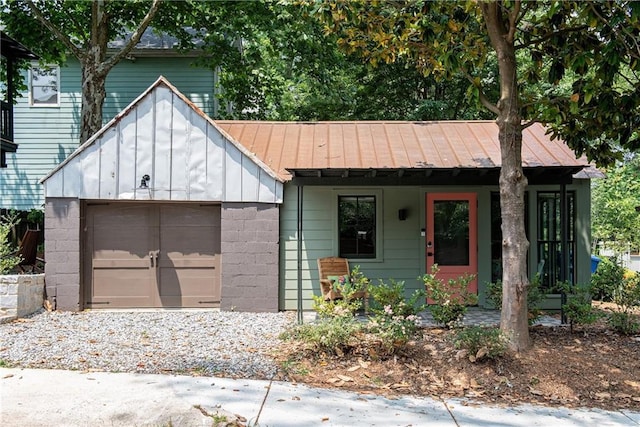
point(451, 232)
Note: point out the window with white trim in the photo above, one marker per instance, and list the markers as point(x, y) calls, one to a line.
point(44, 86)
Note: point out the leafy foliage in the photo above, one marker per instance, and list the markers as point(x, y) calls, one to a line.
point(331, 335)
point(450, 298)
point(347, 287)
point(535, 296)
point(578, 308)
point(606, 279)
point(481, 343)
point(614, 219)
point(8, 261)
point(392, 294)
point(627, 298)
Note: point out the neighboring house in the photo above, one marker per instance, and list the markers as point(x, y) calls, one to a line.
point(165, 207)
point(47, 116)
point(12, 52)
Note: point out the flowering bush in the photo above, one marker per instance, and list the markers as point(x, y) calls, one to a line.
point(450, 299)
point(394, 329)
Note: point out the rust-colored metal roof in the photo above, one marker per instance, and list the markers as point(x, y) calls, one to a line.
point(391, 145)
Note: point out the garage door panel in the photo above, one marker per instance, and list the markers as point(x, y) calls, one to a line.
point(185, 239)
point(189, 287)
point(183, 262)
point(132, 288)
point(119, 263)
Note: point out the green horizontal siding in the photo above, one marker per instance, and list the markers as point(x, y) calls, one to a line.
point(47, 135)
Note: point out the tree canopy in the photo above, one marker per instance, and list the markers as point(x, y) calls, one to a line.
point(615, 199)
point(570, 65)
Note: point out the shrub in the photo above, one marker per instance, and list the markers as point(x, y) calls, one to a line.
point(335, 308)
point(395, 321)
point(450, 299)
point(578, 308)
point(606, 279)
point(481, 343)
point(627, 299)
point(393, 295)
point(393, 331)
point(623, 322)
point(333, 335)
point(8, 261)
point(534, 297)
point(347, 306)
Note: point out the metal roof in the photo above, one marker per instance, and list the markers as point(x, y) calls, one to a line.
point(362, 149)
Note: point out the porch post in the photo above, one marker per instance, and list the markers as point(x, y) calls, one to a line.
point(564, 244)
point(299, 231)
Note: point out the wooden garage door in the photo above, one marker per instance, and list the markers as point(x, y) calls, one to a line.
point(152, 255)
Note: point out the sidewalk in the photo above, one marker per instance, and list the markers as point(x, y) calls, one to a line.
point(32, 397)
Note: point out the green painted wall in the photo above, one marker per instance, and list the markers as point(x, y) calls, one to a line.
point(403, 247)
point(47, 135)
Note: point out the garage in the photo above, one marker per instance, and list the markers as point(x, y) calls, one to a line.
point(152, 255)
point(161, 208)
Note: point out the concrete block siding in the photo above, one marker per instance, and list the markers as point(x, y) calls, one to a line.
point(62, 252)
point(250, 249)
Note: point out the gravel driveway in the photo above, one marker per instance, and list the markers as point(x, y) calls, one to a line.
point(202, 342)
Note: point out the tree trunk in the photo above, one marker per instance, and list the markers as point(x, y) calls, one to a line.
point(93, 95)
point(514, 318)
point(515, 282)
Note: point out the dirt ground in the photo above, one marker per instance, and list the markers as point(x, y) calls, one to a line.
point(591, 367)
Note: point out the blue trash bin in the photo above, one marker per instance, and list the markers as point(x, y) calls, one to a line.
point(594, 263)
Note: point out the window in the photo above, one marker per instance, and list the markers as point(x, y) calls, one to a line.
point(44, 85)
point(550, 237)
point(357, 226)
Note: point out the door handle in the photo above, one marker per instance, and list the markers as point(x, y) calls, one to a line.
point(157, 253)
point(429, 253)
point(151, 259)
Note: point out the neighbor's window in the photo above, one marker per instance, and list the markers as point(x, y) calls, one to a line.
point(44, 85)
point(357, 226)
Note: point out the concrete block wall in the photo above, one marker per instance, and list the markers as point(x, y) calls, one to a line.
point(250, 256)
point(62, 252)
point(21, 294)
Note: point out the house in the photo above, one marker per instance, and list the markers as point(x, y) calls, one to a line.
point(47, 116)
point(13, 52)
point(164, 207)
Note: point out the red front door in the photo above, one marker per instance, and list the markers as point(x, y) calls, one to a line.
point(452, 235)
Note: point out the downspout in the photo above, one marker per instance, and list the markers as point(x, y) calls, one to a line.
point(300, 196)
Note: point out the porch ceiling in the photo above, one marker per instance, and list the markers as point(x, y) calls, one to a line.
point(425, 176)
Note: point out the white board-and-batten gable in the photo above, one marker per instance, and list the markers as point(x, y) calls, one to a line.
point(185, 155)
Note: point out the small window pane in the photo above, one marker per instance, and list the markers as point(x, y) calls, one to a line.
point(44, 86)
point(357, 226)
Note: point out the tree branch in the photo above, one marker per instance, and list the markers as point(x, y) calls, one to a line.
point(630, 49)
point(135, 37)
point(486, 103)
point(513, 18)
point(552, 34)
point(79, 53)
